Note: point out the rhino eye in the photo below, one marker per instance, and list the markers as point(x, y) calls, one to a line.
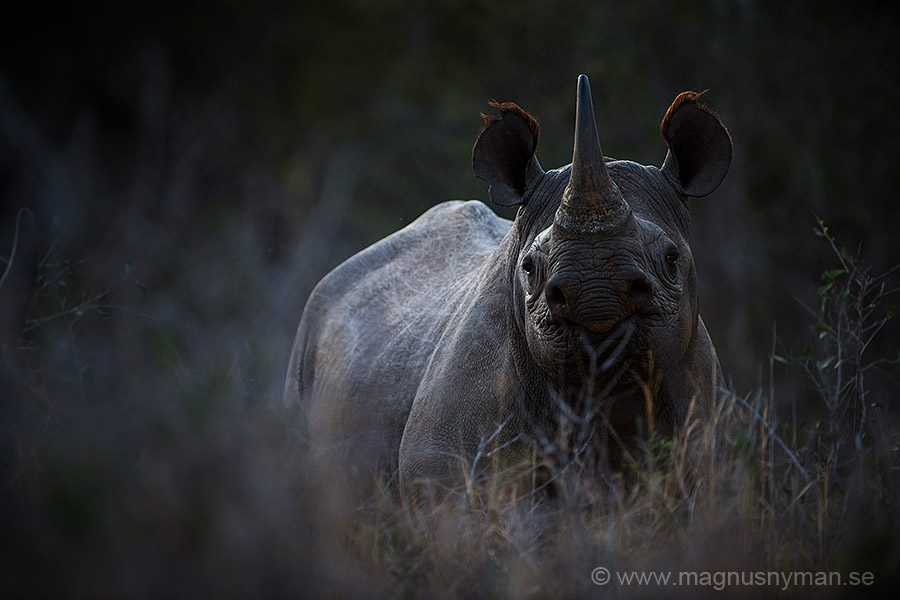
point(672, 257)
point(528, 266)
point(530, 270)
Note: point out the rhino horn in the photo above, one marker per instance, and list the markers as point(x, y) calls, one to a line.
point(591, 201)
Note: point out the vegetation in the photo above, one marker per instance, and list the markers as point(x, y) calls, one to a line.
point(223, 496)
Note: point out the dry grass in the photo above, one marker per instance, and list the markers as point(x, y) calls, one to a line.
point(186, 482)
point(745, 502)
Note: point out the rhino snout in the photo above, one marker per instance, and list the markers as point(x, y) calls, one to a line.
point(599, 305)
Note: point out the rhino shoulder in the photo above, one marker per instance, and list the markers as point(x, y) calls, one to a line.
point(469, 402)
point(456, 228)
point(371, 325)
point(453, 235)
point(474, 227)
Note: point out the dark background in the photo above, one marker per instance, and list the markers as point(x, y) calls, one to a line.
point(232, 153)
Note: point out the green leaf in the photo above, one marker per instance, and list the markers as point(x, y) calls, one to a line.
point(821, 230)
point(831, 274)
point(825, 329)
point(822, 364)
point(822, 290)
point(889, 310)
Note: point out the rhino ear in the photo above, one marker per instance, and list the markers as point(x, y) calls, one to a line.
point(699, 145)
point(504, 153)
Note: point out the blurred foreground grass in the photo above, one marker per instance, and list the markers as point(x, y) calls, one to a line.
point(202, 484)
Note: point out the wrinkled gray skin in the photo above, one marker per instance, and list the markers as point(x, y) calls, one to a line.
point(464, 332)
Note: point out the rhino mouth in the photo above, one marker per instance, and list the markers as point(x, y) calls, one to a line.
point(606, 359)
point(609, 347)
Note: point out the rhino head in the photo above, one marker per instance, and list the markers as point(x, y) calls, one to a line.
point(604, 284)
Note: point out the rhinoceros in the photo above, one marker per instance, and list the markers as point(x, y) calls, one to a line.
point(465, 336)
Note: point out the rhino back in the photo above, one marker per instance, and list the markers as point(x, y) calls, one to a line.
point(370, 327)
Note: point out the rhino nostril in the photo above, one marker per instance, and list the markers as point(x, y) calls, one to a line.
point(639, 291)
point(556, 299)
